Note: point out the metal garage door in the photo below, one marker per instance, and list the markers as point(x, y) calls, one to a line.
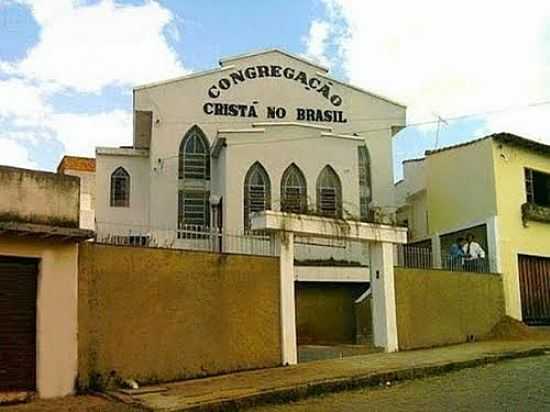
point(534, 280)
point(18, 278)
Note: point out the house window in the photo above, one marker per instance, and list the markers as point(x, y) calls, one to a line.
point(194, 156)
point(329, 193)
point(193, 210)
point(120, 188)
point(293, 190)
point(537, 187)
point(365, 193)
point(257, 192)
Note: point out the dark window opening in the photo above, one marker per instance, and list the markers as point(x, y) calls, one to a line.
point(537, 187)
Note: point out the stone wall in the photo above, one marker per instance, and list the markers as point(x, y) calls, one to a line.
point(158, 315)
point(437, 307)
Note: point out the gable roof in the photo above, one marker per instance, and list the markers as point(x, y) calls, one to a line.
point(255, 53)
point(225, 66)
point(503, 137)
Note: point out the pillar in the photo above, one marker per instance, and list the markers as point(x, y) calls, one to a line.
point(436, 251)
point(287, 298)
point(383, 289)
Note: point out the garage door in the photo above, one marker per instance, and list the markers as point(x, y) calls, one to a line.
point(18, 278)
point(534, 279)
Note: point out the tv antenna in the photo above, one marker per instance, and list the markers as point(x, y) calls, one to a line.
point(439, 121)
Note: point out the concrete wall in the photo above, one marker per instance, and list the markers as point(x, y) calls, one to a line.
point(56, 310)
point(160, 315)
point(454, 179)
point(30, 196)
point(436, 307)
point(87, 197)
point(326, 313)
point(513, 237)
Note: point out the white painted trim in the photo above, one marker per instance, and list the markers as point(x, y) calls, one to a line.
point(306, 225)
point(289, 351)
point(358, 139)
point(121, 151)
point(377, 96)
point(228, 131)
point(185, 77)
point(296, 124)
point(255, 53)
point(466, 226)
point(347, 274)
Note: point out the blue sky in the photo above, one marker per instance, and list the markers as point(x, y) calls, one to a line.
point(67, 67)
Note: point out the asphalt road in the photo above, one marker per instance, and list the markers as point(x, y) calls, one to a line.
point(515, 385)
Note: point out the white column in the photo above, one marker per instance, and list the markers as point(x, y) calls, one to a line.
point(436, 251)
point(288, 302)
point(383, 288)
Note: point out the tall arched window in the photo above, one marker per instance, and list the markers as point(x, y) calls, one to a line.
point(329, 193)
point(194, 156)
point(365, 192)
point(120, 188)
point(194, 179)
point(293, 190)
point(257, 192)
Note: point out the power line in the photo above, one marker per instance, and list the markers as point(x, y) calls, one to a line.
point(359, 131)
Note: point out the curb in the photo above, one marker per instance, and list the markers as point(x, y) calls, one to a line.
point(306, 390)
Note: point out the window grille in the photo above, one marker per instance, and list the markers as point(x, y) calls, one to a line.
point(194, 156)
point(329, 193)
point(120, 188)
point(193, 208)
point(293, 191)
point(257, 192)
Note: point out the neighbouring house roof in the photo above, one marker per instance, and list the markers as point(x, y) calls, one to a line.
point(507, 138)
point(83, 164)
point(45, 231)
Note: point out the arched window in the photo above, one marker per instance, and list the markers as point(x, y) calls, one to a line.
point(257, 192)
point(194, 156)
point(120, 188)
point(365, 192)
point(329, 193)
point(194, 177)
point(293, 190)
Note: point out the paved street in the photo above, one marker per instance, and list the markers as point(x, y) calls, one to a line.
point(515, 385)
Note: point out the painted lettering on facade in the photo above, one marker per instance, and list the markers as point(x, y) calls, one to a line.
point(300, 114)
point(312, 83)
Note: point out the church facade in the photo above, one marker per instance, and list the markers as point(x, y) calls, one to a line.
point(267, 130)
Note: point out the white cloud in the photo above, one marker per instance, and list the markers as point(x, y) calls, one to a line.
point(448, 57)
point(82, 48)
point(317, 41)
point(89, 47)
point(13, 153)
point(81, 133)
point(19, 99)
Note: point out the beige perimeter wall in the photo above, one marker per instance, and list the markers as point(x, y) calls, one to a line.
point(159, 315)
point(437, 307)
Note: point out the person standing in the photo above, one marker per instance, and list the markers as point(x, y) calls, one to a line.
point(456, 254)
point(474, 255)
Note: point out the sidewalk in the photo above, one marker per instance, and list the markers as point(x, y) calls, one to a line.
point(282, 384)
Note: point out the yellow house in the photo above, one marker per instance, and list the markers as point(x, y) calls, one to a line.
point(498, 189)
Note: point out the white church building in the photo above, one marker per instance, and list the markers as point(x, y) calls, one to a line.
point(264, 131)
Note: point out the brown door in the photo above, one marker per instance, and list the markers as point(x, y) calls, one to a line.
point(18, 278)
point(534, 281)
